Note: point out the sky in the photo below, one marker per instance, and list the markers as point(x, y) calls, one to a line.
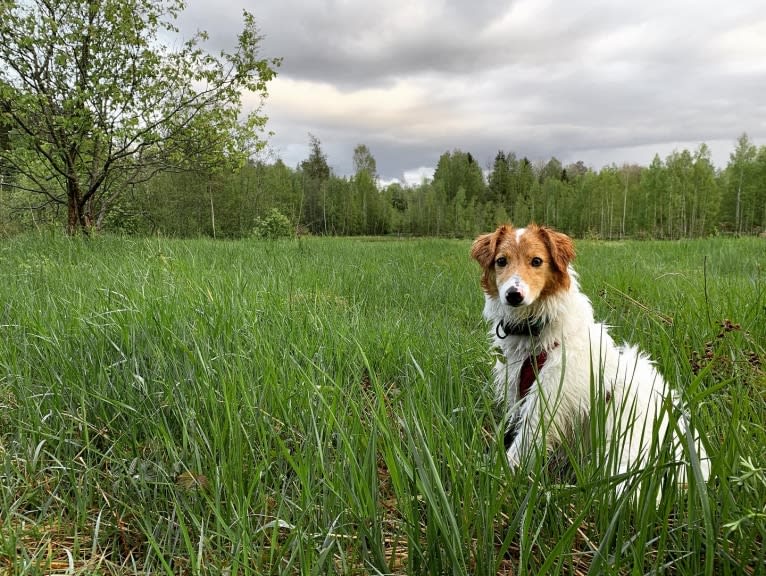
point(602, 81)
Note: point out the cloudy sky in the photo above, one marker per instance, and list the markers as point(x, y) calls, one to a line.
point(603, 81)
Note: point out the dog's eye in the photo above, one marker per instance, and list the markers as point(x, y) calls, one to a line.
point(501, 262)
point(536, 262)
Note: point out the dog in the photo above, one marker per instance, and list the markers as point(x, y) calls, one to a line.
point(557, 367)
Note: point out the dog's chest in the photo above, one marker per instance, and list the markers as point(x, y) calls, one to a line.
point(522, 362)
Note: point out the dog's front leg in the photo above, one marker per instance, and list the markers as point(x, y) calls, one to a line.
point(529, 439)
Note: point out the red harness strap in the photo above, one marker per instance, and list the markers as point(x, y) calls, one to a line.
point(529, 371)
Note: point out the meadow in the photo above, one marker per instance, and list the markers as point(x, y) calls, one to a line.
point(322, 406)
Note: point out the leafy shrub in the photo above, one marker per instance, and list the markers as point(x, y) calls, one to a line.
point(273, 225)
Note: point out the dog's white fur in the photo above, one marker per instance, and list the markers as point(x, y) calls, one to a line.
point(582, 363)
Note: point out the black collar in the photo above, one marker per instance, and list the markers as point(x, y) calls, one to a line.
point(524, 328)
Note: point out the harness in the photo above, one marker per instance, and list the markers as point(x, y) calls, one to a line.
point(529, 371)
point(532, 364)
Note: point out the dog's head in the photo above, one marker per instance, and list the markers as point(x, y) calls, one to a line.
point(522, 265)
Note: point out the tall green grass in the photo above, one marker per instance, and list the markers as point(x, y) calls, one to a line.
point(323, 406)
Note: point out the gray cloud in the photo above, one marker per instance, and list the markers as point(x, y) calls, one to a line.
point(595, 80)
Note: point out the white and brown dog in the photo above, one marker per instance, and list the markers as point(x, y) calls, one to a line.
point(556, 361)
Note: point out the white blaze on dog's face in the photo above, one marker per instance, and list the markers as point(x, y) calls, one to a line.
point(522, 265)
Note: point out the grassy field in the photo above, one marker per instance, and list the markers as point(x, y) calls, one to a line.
point(322, 406)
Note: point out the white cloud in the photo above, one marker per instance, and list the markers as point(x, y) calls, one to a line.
point(597, 80)
point(367, 108)
point(418, 175)
point(744, 48)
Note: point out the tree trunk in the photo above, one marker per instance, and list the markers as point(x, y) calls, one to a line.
point(78, 219)
point(73, 206)
point(212, 207)
point(624, 205)
point(738, 212)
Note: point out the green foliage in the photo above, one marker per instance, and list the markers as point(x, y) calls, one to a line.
point(315, 174)
point(364, 161)
point(273, 226)
point(95, 100)
point(278, 408)
point(676, 198)
point(499, 184)
point(458, 170)
point(682, 196)
point(744, 184)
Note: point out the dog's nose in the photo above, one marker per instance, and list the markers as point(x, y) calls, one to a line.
point(514, 297)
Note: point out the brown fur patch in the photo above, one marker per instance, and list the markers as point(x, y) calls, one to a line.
point(561, 251)
point(483, 251)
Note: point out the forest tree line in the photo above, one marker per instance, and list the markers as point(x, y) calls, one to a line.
point(680, 196)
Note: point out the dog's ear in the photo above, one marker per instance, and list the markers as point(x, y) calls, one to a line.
point(560, 246)
point(485, 246)
point(483, 249)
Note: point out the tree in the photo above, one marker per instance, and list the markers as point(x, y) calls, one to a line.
point(524, 186)
point(655, 206)
point(575, 170)
point(5, 145)
point(95, 99)
point(458, 169)
point(551, 170)
point(679, 167)
point(707, 196)
point(499, 185)
point(282, 190)
point(630, 176)
point(316, 172)
point(759, 202)
point(365, 188)
point(742, 182)
point(365, 162)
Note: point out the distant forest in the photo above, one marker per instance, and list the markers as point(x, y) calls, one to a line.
point(680, 196)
